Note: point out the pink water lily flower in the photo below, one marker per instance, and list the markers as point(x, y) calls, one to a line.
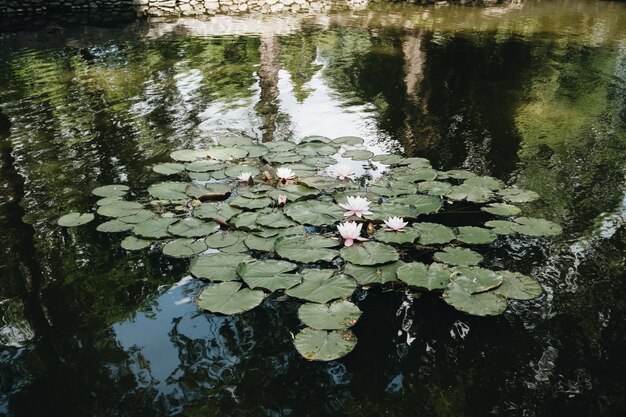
point(357, 206)
point(395, 224)
point(342, 172)
point(350, 231)
point(285, 174)
point(244, 177)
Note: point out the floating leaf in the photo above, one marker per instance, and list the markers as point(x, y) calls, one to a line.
point(435, 187)
point(154, 228)
point(388, 159)
point(322, 286)
point(205, 166)
point(132, 243)
point(75, 219)
point(536, 227)
point(116, 190)
point(483, 304)
point(208, 192)
point(369, 253)
point(119, 209)
point(433, 233)
point(475, 279)
point(314, 212)
point(460, 174)
point(320, 345)
point(216, 211)
point(315, 148)
point(322, 183)
point(235, 140)
point(255, 151)
point(246, 220)
point(323, 139)
point(320, 161)
point(275, 220)
point(378, 274)
point(108, 200)
point(169, 190)
point(475, 235)
point(294, 192)
point(424, 204)
point(222, 153)
point(269, 274)
point(502, 209)
point(340, 314)
point(236, 170)
point(348, 140)
point(408, 235)
point(250, 203)
point(501, 227)
point(114, 226)
point(169, 168)
point(280, 146)
point(222, 239)
point(187, 155)
point(470, 193)
point(517, 195)
point(218, 266)
point(306, 248)
point(358, 154)
point(385, 210)
point(191, 227)
point(484, 181)
point(518, 286)
point(138, 217)
point(282, 157)
point(229, 298)
point(184, 248)
point(434, 277)
point(263, 244)
point(458, 256)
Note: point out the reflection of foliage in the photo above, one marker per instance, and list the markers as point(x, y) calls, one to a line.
point(299, 53)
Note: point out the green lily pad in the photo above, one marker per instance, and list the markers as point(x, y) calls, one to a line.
point(255, 151)
point(294, 192)
point(132, 243)
point(275, 220)
point(475, 235)
point(168, 168)
point(222, 153)
point(216, 211)
point(377, 274)
point(434, 277)
point(322, 286)
point(314, 138)
point(184, 248)
point(385, 210)
point(460, 174)
point(236, 170)
point(188, 155)
point(340, 314)
point(536, 227)
point(434, 187)
point(320, 161)
point(119, 209)
point(306, 248)
point(369, 253)
point(314, 212)
point(491, 183)
point(433, 233)
point(114, 226)
point(138, 217)
point(358, 154)
point(263, 244)
point(270, 274)
point(169, 190)
point(205, 165)
point(320, 345)
point(235, 140)
point(108, 200)
point(517, 195)
point(388, 159)
point(475, 279)
point(116, 190)
point(222, 239)
point(322, 183)
point(250, 203)
point(75, 219)
point(392, 188)
point(518, 286)
point(458, 256)
point(502, 209)
point(229, 298)
point(154, 228)
point(245, 220)
point(280, 146)
point(408, 235)
point(348, 140)
point(482, 304)
point(501, 227)
point(191, 227)
point(470, 193)
point(208, 192)
point(218, 266)
point(314, 149)
point(282, 157)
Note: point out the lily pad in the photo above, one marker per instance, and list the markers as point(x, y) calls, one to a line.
point(184, 248)
point(236, 170)
point(322, 286)
point(388, 159)
point(340, 314)
point(191, 227)
point(434, 277)
point(348, 140)
point(116, 190)
point(423, 204)
point(358, 154)
point(536, 227)
point(484, 181)
point(187, 155)
point(322, 183)
point(314, 148)
point(222, 153)
point(154, 228)
point(114, 226)
point(275, 220)
point(168, 168)
point(518, 286)
point(132, 243)
point(75, 219)
point(483, 304)
point(216, 211)
point(501, 227)
point(119, 209)
point(433, 233)
point(218, 266)
point(314, 212)
point(370, 253)
point(108, 200)
point(222, 239)
point(518, 195)
point(377, 274)
point(434, 187)
point(470, 193)
point(208, 192)
point(306, 248)
point(205, 165)
point(386, 210)
point(408, 235)
point(458, 256)
point(280, 145)
point(270, 274)
point(255, 151)
point(475, 235)
point(169, 190)
point(229, 298)
point(502, 209)
point(475, 279)
point(320, 345)
point(250, 203)
point(138, 217)
point(259, 243)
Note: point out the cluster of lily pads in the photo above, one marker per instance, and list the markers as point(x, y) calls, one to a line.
point(281, 216)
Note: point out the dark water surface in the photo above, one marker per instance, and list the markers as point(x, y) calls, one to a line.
point(534, 95)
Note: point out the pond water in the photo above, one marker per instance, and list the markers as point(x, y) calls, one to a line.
point(533, 94)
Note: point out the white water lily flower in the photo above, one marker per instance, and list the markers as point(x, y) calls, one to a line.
point(357, 206)
point(244, 177)
point(350, 231)
point(285, 174)
point(282, 199)
point(395, 224)
point(342, 172)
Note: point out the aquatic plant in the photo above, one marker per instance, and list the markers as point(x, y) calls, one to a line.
point(259, 218)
